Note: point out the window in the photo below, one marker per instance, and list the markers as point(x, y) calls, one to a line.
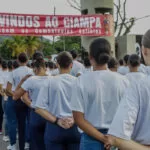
point(84, 12)
point(103, 10)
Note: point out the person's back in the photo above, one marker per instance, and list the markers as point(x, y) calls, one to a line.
point(135, 77)
point(100, 90)
point(19, 73)
point(134, 109)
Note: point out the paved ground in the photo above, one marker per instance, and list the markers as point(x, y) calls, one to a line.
point(3, 145)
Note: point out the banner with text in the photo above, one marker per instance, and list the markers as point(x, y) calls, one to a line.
point(58, 25)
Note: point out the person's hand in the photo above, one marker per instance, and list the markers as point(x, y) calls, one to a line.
point(110, 141)
point(65, 123)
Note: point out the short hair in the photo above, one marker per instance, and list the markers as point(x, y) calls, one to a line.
point(134, 60)
point(1, 60)
point(39, 63)
point(15, 64)
point(22, 58)
point(4, 64)
point(51, 65)
point(87, 62)
point(126, 58)
point(64, 59)
point(37, 55)
point(112, 63)
point(10, 64)
point(100, 50)
point(121, 62)
point(74, 54)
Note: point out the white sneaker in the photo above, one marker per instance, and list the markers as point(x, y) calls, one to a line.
point(6, 138)
point(9, 147)
point(13, 147)
point(27, 146)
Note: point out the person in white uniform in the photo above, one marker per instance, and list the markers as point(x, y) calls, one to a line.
point(54, 105)
point(96, 96)
point(4, 76)
point(134, 75)
point(77, 66)
point(32, 86)
point(87, 65)
point(20, 108)
point(132, 119)
point(124, 69)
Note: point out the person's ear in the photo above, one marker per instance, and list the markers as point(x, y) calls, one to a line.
point(144, 51)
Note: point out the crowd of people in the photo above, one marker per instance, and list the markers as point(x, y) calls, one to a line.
point(66, 105)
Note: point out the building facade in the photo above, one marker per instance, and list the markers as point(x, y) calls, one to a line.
point(97, 7)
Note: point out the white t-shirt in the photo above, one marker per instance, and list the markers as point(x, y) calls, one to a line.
point(97, 94)
point(33, 85)
point(76, 68)
point(56, 96)
point(123, 70)
point(85, 70)
point(16, 75)
point(132, 119)
point(54, 72)
point(4, 76)
point(142, 69)
point(135, 77)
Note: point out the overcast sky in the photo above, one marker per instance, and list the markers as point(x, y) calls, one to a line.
point(136, 8)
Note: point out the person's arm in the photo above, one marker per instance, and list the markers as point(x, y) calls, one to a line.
point(53, 119)
point(87, 127)
point(9, 89)
point(125, 144)
point(26, 100)
point(18, 93)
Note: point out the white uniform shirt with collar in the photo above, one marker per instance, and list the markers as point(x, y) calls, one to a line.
point(135, 77)
point(97, 94)
point(85, 70)
point(77, 66)
point(123, 70)
point(132, 119)
point(16, 76)
point(33, 85)
point(56, 96)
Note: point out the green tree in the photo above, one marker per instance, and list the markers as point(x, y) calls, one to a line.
point(47, 48)
point(5, 50)
point(32, 44)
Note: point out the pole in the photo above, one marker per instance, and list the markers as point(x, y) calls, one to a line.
point(54, 36)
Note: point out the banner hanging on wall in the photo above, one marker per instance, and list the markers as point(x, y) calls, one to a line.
point(58, 25)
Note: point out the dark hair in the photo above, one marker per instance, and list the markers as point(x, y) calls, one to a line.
point(74, 54)
point(22, 58)
point(10, 64)
point(51, 65)
point(134, 60)
point(87, 62)
point(37, 55)
point(39, 63)
point(15, 64)
point(121, 62)
point(4, 64)
point(1, 60)
point(46, 64)
point(100, 50)
point(64, 59)
point(112, 63)
point(126, 58)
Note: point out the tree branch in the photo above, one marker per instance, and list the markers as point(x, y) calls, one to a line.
point(76, 5)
